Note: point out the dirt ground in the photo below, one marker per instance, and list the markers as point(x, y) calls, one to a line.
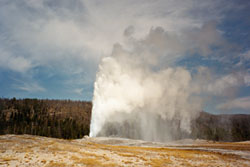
point(27, 150)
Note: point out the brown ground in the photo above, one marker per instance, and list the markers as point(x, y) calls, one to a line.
point(27, 150)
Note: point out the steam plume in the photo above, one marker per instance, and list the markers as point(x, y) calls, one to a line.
point(136, 99)
point(140, 91)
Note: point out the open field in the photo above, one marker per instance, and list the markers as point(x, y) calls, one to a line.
point(27, 150)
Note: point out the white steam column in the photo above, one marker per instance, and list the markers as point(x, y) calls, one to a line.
point(133, 97)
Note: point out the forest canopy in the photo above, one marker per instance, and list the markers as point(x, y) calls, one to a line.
point(52, 118)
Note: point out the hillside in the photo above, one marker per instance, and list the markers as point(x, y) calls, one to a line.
point(53, 118)
point(221, 127)
point(71, 119)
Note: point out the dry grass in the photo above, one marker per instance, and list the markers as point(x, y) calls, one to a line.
point(91, 159)
point(158, 162)
point(8, 159)
point(56, 164)
point(225, 145)
point(88, 161)
point(55, 152)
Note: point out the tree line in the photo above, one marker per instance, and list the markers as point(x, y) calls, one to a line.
point(227, 127)
point(71, 119)
point(52, 118)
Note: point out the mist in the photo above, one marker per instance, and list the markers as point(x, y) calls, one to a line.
point(142, 92)
point(135, 97)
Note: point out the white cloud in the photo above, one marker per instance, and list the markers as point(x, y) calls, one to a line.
point(215, 84)
point(73, 36)
point(29, 87)
point(244, 59)
point(78, 91)
point(238, 103)
point(222, 85)
point(246, 55)
point(247, 80)
point(15, 63)
point(86, 30)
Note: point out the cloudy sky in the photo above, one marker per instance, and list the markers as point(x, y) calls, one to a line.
point(52, 48)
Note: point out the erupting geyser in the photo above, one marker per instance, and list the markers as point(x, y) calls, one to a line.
point(135, 96)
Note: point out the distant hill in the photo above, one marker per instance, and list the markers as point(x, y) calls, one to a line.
point(53, 118)
point(71, 119)
point(233, 127)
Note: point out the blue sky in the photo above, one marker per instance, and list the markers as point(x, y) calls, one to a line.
point(52, 48)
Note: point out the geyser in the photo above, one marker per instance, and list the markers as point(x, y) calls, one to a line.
point(135, 96)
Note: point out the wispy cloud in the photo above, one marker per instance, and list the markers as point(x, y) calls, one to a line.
point(78, 91)
point(30, 87)
point(46, 33)
point(13, 62)
point(238, 103)
point(66, 38)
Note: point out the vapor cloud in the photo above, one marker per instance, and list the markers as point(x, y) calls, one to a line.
point(132, 83)
point(140, 90)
